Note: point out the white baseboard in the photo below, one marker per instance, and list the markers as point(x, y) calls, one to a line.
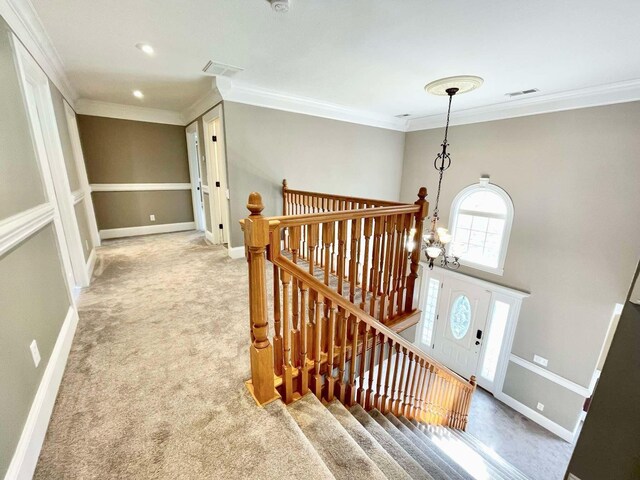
point(541, 420)
point(25, 458)
point(208, 235)
point(236, 252)
point(91, 263)
point(146, 230)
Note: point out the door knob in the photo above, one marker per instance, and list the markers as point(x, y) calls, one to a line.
point(477, 342)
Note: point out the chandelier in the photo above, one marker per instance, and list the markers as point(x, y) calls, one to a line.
point(435, 241)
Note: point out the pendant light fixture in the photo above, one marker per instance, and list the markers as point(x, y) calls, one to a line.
point(437, 238)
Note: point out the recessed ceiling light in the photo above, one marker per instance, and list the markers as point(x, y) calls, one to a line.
point(138, 94)
point(464, 84)
point(145, 47)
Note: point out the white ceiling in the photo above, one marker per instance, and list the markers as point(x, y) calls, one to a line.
point(371, 55)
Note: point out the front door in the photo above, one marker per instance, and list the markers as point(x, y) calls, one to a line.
point(460, 326)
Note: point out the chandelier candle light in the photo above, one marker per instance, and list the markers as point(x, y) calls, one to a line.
point(436, 239)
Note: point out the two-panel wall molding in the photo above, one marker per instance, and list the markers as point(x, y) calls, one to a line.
point(554, 377)
point(20, 226)
point(138, 187)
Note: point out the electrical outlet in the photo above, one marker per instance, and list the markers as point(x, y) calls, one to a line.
point(35, 353)
point(540, 407)
point(540, 360)
point(152, 217)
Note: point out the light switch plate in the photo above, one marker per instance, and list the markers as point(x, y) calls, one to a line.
point(35, 353)
point(540, 360)
point(152, 217)
point(540, 406)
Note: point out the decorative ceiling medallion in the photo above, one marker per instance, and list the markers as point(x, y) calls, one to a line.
point(464, 84)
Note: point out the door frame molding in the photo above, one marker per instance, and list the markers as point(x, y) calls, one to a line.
point(195, 173)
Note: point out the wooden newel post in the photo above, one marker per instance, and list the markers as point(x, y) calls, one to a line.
point(284, 196)
point(256, 239)
point(417, 251)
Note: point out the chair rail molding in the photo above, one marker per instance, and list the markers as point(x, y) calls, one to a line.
point(554, 377)
point(20, 226)
point(138, 187)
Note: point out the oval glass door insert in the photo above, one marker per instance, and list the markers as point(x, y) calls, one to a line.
point(460, 318)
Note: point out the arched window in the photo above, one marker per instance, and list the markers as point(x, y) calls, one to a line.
point(481, 217)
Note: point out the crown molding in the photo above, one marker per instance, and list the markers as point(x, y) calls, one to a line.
point(25, 23)
point(128, 112)
point(204, 103)
point(619, 92)
point(242, 93)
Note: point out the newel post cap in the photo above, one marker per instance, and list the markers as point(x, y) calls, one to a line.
point(254, 204)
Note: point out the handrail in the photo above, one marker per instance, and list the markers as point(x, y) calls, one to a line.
point(287, 265)
point(313, 218)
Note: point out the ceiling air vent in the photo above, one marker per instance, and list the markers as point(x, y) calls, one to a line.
point(220, 69)
point(522, 92)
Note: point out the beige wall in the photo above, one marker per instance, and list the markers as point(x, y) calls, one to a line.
point(573, 177)
point(127, 151)
point(33, 294)
point(17, 157)
point(132, 209)
point(265, 145)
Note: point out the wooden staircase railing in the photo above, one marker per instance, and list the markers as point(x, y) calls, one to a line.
point(327, 337)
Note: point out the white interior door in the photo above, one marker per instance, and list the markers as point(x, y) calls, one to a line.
point(457, 340)
point(193, 151)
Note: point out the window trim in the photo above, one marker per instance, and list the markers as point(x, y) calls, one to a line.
point(508, 221)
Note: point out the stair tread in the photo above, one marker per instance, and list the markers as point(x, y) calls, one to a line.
point(410, 465)
point(367, 442)
point(427, 463)
point(446, 464)
point(461, 453)
point(335, 446)
point(490, 455)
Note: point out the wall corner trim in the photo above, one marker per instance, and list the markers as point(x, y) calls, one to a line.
point(146, 230)
point(236, 252)
point(25, 458)
point(128, 112)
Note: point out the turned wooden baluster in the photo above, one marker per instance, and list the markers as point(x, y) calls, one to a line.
point(403, 266)
point(286, 340)
point(342, 239)
point(363, 364)
point(394, 382)
point(331, 333)
point(467, 406)
point(312, 245)
point(368, 230)
point(398, 253)
point(431, 388)
point(351, 393)
point(256, 238)
point(294, 243)
point(386, 274)
point(409, 384)
point(328, 235)
point(353, 266)
point(415, 255)
point(387, 393)
point(405, 386)
point(342, 386)
point(372, 364)
point(277, 337)
point(317, 378)
point(380, 386)
point(400, 391)
point(303, 375)
point(417, 406)
point(377, 262)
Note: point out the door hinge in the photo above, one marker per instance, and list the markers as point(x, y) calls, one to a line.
point(220, 226)
point(214, 138)
point(217, 184)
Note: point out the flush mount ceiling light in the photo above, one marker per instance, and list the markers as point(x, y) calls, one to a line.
point(145, 47)
point(463, 83)
point(280, 6)
point(138, 94)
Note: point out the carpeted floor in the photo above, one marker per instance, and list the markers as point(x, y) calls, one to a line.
point(153, 388)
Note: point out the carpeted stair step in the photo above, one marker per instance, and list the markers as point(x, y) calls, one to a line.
point(386, 441)
point(371, 447)
point(425, 462)
point(339, 451)
point(488, 454)
point(459, 452)
point(448, 466)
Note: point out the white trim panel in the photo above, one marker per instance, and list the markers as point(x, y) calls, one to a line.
point(91, 263)
point(17, 228)
point(78, 196)
point(541, 420)
point(24, 21)
point(236, 252)
point(25, 458)
point(554, 377)
point(609, 94)
point(128, 112)
point(146, 230)
point(138, 187)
